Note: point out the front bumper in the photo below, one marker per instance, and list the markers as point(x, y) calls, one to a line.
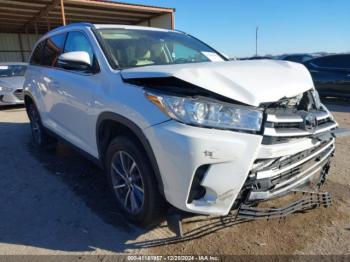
point(309, 200)
point(12, 98)
point(283, 174)
point(181, 150)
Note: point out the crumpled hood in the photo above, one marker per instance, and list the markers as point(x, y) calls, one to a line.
point(250, 82)
point(14, 82)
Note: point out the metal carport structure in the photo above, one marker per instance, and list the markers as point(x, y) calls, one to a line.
point(23, 21)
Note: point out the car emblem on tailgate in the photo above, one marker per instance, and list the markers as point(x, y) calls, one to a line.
point(310, 122)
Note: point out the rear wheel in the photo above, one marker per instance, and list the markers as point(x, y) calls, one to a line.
point(133, 182)
point(40, 138)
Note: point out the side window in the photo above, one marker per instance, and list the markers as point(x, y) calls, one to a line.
point(37, 54)
point(53, 49)
point(77, 41)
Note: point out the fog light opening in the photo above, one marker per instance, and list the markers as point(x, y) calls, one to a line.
point(198, 191)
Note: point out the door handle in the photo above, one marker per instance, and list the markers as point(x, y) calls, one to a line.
point(313, 71)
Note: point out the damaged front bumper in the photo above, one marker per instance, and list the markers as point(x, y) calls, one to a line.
point(211, 171)
point(283, 174)
point(273, 181)
point(309, 200)
point(228, 162)
point(276, 173)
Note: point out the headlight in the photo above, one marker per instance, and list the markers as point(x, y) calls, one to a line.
point(317, 99)
point(5, 89)
point(208, 113)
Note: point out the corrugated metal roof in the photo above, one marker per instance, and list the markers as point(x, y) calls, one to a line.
point(42, 15)
point(124, 3)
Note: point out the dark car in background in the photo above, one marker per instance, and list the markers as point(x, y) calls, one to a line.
point(331, 75)
point(255, 58)
point(11, 83)
point(298, 58)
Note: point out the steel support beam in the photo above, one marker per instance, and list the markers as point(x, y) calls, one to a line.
point(43, 12)
point(20, 46)
point(62, 13)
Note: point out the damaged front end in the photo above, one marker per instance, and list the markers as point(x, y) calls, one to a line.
point(293, 161)
point(305, 124)
point(243, 171)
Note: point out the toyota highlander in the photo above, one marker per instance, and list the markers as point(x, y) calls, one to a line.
point(174, 123)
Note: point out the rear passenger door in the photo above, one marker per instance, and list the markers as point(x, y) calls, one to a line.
point(53, 47)
point(39, 76)
point(74, 89)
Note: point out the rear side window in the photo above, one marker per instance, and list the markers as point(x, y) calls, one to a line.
point(52, 50)
point(37, 54)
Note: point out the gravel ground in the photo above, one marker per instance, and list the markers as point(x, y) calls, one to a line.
point(53, 201)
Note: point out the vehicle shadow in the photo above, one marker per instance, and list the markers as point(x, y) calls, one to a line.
point(11, 107)
point(88, 182)
point(53, 198)
point(207, 227)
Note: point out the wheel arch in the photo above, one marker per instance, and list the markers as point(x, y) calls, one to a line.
point(29, 99)
point(111, 124)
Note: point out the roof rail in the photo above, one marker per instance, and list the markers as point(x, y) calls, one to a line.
point(180, 31)
point(73, 25)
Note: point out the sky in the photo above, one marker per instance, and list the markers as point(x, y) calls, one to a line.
point(285, 26)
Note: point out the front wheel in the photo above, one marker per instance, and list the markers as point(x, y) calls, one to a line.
point(133, 182)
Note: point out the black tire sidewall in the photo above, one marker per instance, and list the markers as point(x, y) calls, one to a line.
point(152, 206)
point(32, 108)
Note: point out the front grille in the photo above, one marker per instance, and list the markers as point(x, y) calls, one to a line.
point(286, 125)
point(283, 162)
point(19, 94)
point(282, 174)
point(299, 118)
point(285, 176)
point(299, 124)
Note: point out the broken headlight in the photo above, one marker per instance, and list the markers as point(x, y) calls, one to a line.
point(208, 113)
point(317, 99)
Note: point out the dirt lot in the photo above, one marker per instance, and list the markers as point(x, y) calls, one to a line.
point(53, 201)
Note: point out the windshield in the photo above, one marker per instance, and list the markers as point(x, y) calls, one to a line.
point(12, 70)
point(133, 48)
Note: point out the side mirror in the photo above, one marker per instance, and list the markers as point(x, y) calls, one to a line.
point(77, 60)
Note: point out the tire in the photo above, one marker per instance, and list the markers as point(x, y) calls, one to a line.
point(128, 169)
point(40, 138)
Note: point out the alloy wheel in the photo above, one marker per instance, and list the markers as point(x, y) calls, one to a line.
point(127, 182)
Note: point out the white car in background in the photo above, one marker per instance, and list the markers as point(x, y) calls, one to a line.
point(172, 120)
point(11, 83)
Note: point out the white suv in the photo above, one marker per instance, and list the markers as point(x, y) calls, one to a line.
point(172, 120)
